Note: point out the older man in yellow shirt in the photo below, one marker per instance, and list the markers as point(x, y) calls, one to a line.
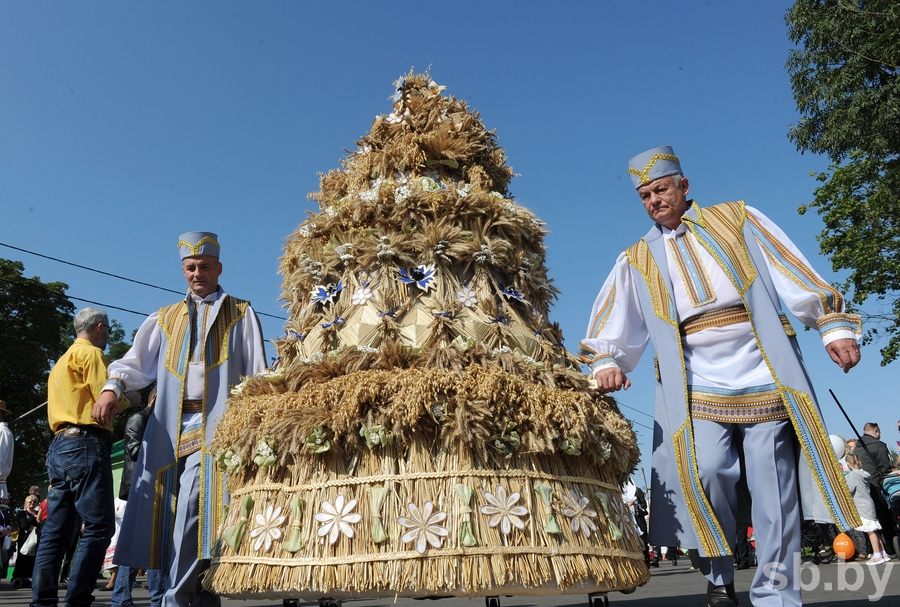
point(78, 465)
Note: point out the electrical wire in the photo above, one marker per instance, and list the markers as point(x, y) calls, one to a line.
point(89, 269)
point(97, 303)
point(147, 284)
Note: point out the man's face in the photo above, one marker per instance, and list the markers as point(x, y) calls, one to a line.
point(202, 274)
point(103, 330)
point(665, 200)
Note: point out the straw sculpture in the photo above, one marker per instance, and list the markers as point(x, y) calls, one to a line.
point(424, 432)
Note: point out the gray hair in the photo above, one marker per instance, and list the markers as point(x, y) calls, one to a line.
point(88, 318)
point(676, 179)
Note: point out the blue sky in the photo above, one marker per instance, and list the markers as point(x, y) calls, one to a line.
point(123, 125)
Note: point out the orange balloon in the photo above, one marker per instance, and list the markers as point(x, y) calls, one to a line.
point(844, 546)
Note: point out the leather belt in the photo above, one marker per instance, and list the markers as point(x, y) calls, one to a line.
point(192, 406)
point(67, 430)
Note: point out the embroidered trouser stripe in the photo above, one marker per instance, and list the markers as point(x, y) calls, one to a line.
point(186, 567)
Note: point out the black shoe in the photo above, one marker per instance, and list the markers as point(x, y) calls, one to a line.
point(674, 562)
point(721, 596)
point(654, 563)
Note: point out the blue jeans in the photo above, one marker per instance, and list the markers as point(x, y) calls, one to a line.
point(156, 583)
point(80, 474)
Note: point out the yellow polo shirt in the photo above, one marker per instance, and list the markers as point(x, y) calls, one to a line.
point(75, 384)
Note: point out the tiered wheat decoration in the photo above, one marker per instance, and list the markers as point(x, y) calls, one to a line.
point(425, 433)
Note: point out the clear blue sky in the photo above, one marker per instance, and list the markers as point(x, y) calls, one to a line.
point(123, 125)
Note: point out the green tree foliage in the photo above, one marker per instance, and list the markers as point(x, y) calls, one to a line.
point(846, 83)
point(35, 330)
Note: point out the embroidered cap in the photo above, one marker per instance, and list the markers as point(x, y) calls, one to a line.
point(651, 165)
point(192, 244)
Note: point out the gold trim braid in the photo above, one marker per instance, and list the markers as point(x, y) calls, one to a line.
point(195, 248)
point(640, 258)
point(720, 231)
point(798, 272)
point(644, 175)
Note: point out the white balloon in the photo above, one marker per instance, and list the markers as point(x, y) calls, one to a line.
point(838, 444)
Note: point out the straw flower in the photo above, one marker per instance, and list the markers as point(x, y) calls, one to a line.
point(268, 529)
point(423, 526)
point(503, 510)
point(336, 519)
point(602, 453)
point(265, 451)
point(576, 508)
point(467, 296)
point(362, 295)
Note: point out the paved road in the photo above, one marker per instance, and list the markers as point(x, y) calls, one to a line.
point(838, 585)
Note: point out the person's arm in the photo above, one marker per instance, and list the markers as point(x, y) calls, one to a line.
point(93, 366)
point(254, 346)
point(7, 445)
point(805, 293)
point(883, 459)
point(134, 433)
point(617, 334)
point(133, 371)
point(137, 369)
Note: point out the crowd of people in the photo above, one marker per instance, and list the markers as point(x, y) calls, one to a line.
point(704, 286)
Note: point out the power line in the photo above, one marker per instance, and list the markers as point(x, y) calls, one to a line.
point(621, 404)
point(89, 269)
point(97, 303)
point(641, 425)
point(147, 284)
point(69, 263)
point(636, 423)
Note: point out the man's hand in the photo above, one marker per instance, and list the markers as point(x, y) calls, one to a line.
point(611, 379)
point(844, 352)
point(105, 409)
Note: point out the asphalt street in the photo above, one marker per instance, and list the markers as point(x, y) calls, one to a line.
point(839, 585)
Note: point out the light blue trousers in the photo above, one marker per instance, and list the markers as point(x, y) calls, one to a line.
point(770, 463)
point(184, 584)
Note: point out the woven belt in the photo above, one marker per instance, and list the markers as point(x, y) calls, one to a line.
point(192, 406)
point(724, 317)
point(714, 318)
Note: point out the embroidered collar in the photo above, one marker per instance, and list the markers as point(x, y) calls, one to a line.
point(209, 298)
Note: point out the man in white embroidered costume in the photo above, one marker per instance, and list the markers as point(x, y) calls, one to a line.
point(7, 447)
point(196, 350)
point(703, 286)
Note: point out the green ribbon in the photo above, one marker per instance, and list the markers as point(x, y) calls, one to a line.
point(377, 497)
point(614, 532)
point(546, 494)
point(234, 534)
point(295, 541)
point(464, 495)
